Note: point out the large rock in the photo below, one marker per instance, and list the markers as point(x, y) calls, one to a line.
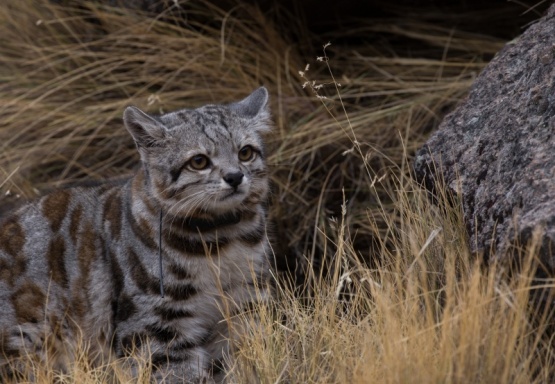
point(497, 149)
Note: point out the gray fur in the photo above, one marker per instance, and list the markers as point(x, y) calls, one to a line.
point(85, 260)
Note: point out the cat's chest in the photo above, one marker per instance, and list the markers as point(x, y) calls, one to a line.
point(197, 289)
point(236, 265)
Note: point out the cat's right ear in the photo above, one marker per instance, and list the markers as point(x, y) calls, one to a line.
point(145, 129)
point(252, 106)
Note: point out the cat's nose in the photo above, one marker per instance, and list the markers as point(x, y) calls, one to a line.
point(234, 179)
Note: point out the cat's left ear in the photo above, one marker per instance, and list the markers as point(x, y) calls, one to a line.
point(254, 107)
point(145, 129)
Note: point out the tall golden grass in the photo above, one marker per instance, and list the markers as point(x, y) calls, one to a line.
point(385, 289)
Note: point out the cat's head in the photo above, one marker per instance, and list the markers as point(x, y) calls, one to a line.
point(209, 159)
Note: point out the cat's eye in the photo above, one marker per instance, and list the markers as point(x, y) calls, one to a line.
point(246, 153)
point(199, 162)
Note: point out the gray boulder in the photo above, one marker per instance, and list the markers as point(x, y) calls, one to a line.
point(497, 149)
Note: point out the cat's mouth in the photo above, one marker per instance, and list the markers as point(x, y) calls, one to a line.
point(233, 193)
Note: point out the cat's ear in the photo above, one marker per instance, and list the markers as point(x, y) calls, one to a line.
point(254, 106)
point(145, 129)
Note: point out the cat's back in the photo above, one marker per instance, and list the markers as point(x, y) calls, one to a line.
point(52, 261)
point(59, 220)
point(55, 276)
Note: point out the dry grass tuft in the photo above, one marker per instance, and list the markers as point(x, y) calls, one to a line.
point(431, 315)
point(399, 299)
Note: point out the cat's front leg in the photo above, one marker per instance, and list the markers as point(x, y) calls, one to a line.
point(184, 372)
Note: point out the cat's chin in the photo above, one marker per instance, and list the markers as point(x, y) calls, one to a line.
point(229, 201)
point(220, 204)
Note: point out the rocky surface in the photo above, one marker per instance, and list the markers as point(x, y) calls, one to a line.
point(497, 149)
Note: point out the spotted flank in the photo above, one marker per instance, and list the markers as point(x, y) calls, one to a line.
point(92, 262)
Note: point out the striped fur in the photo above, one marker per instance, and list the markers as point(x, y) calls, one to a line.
point(84, 261)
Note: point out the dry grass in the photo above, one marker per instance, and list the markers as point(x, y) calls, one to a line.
point(399, 298)
point(429, 316)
